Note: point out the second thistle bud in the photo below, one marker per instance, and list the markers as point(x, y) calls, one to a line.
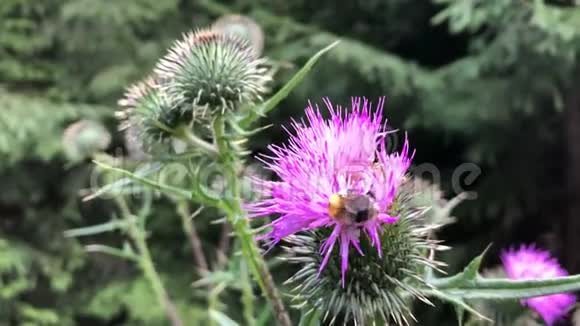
point(150, 115)
point(84, 138)
point(243, 27)
point(213, 71)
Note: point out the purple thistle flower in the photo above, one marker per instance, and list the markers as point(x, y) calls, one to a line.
point(530, 263)
point(334, 173)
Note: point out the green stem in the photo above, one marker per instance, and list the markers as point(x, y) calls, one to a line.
point(191, 232)
point(138, 234)
point(233, 208)
point(247, 295)
point(184, 134)
point(214, 302)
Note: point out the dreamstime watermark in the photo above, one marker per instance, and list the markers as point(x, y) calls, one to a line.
point(110, 183)
point(462, 177)
point(367, 177)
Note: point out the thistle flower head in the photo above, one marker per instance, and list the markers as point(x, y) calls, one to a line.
point(335, 175)
point(150, 115)
point(242, 27)
point(84, 138)
point(214, 71)
point(379, 288)
point(529, 263)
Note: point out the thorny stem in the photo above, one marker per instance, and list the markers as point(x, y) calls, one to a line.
point(247, 295)
point(214, 301)
point(224, 245)
point(232, 206)
point(137, 234)
point(191, 232)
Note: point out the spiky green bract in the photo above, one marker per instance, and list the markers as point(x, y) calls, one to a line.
point(213, 71)
point(151, 117)
point(243, 27)
point(84, 138)
point(378, 289)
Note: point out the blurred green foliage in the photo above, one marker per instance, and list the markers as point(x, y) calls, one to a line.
point(470, 81)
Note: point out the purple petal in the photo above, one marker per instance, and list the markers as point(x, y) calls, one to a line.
point(328, 245)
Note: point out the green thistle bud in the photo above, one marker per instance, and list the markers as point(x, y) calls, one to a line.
point(84, 138)
point(427, 194)
point(213, 71)
point(150, 117)
point(134, 145)
point(378, 290)
point(242, 27)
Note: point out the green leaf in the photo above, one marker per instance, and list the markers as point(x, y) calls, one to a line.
point(264, 316)
point(121, 184)
point(125, 254)
point(95, 229)
point(459, 304)
point(506, 289)
point(271, 103)
point(220, 318)
point(167, 189)
point(212, 278)
point(470, 272)
point(470, 285)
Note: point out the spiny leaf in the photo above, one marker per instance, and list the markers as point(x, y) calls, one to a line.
point(121, 184)
point(220, 318)
point(271, 103)
point(506, 289)
point(95, 229)
point(125, 254)
point(457, 302)
point(216, 277)
point(470, 285)
point(471, 270)
point(167, 189)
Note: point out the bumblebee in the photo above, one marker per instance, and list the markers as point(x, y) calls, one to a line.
point(352, 208)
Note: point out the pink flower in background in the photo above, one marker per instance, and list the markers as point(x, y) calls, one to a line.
point(334, 173)
point(529, 263)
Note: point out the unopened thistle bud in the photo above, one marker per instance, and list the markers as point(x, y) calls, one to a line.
point(213, 71)
point(242, 27)
point(149, 115)
point(84, 138)
point(134, 145)
point(427, 194)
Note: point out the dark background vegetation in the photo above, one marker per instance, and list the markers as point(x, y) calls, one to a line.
point(495, 83)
